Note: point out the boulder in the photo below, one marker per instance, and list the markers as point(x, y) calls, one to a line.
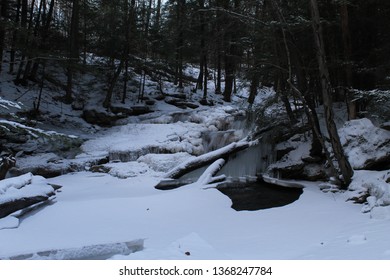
point(367, 146)
point(140, 110)
point(121, 110)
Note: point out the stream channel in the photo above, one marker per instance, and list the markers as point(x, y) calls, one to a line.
point(244, 184)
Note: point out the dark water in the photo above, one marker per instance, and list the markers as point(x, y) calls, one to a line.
point(250, 196)
point(258, 195)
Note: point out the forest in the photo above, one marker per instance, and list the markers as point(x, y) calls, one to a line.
point(189, 94)
point(313, 51)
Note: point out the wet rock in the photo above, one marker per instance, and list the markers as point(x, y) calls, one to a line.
point(78, 105)
point(314, 172)
point(176, 102)
point(177, 95)
point(100, 169)
point(385, 125)
point(101, 118)
point(121, 110)
point(150, 102)
point(140, 110)
point(180, 103)
point(206, 102)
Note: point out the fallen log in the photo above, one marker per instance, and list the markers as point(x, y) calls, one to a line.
point(207, 177)
point(203, 160)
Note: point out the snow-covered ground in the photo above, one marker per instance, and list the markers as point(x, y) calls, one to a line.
point(94, 209)
point(99, 209)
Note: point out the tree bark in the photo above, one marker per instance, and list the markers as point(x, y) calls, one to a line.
point(3, 16)
point(344, 165)
point(111, 86)
point(73, 49)
point(46, 22)
point(180, 43)
point(347, 60)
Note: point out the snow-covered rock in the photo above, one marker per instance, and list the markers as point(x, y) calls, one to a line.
point(367, 146)
point(23, 191)
point(372, 189)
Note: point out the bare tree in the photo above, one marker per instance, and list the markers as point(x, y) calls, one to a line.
point(344, 165)
point(3, 16)
point(73, 56)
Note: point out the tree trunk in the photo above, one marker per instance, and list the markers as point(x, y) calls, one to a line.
point(202, 79)
point(24, 39)
point(73, 49)
point(14, 39)
point(344, 165)
point(46, 22)
point(180, 43)
point(229, 75)
point(347, 60)
point(107, 100)
point(3, 16)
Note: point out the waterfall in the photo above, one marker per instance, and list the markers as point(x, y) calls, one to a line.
point(213, 140)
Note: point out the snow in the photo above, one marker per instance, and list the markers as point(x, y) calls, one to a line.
point(7, 103)
point(15, 183)
point(376, 186)
point(24, 186)
point(98, 209)
point(9, 222)
point(192, 222)
point(363, 141)
point(34, 132)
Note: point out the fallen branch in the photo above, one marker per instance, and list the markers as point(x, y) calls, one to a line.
point(205, 159)
point(208, 176)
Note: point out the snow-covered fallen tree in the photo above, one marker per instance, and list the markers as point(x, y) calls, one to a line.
point(24, 191)
point(207, 178)
point(202, 160)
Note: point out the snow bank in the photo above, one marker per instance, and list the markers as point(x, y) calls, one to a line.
point(375, 187)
